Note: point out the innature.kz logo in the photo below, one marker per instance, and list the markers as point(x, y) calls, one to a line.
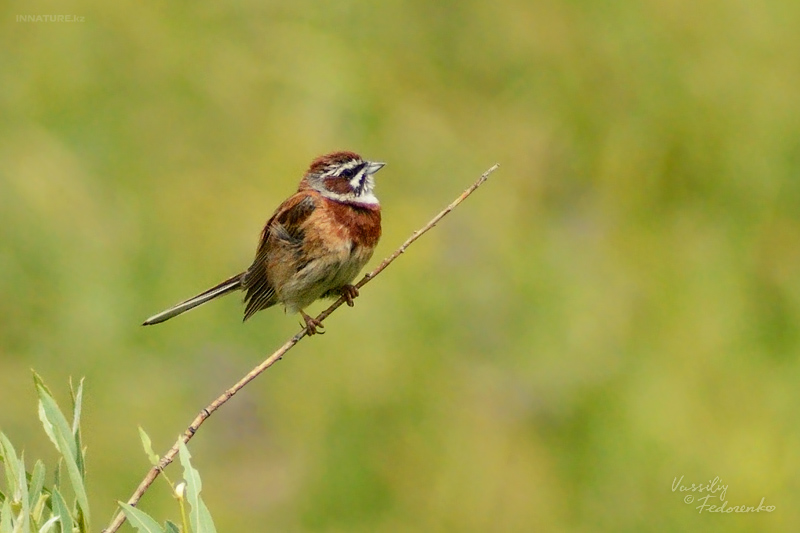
point(50, 18)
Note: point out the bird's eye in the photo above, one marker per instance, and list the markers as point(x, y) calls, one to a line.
point(348, 173)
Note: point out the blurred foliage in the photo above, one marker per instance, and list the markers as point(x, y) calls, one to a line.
point(616, 308)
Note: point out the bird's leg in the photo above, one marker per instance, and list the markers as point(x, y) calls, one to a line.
point(312, 324)
point(349, 292)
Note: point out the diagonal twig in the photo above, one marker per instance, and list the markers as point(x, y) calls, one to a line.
point(276, 356)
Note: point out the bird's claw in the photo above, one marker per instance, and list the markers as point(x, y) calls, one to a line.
point(313, 325)
point(349, 292)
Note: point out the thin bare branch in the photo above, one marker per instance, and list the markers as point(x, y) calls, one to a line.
point(168, 457)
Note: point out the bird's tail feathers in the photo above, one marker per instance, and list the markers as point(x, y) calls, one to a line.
point(231, 284)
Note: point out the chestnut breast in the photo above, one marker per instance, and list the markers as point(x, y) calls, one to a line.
point(361, 224)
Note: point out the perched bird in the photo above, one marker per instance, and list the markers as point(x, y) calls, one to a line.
point(313, 246)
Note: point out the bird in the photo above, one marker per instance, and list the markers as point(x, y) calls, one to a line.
point(313, 246)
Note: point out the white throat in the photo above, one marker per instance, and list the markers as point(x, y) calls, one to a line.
point(366, 198)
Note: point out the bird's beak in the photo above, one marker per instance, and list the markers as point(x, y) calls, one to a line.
point(374, 166)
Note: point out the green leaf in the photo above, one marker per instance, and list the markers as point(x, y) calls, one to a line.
point(5, 518)
point(17, 483)
point(48, 427)
point(39, 382)
point(170, 527)
point(148, 447)
point(57, 475)
point(37, 482)
point(38, 508)
point(55, 423)
point(22, 483)
point(49, 525)
point(80, 518)
point(11, 466)
point(205, 524)
point(142, 521)
point(200, 517)
point(61, 510)
point(2, 460)
point(61, 433)
point(77, 400)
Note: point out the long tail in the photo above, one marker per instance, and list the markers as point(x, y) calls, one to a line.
point(231, 284)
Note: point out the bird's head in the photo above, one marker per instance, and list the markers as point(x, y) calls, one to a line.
point(343, 177)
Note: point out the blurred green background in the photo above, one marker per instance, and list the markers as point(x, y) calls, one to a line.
point(617, 307)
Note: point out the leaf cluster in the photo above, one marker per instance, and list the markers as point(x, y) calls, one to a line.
point(29, 504)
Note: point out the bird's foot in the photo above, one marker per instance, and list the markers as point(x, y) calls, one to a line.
point(349, 292)
point(312, 324)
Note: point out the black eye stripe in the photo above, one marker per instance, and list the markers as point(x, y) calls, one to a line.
point(350, 172)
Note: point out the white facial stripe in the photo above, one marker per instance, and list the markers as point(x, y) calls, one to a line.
point(356, 181)
point(353, 164)
point(337, 170)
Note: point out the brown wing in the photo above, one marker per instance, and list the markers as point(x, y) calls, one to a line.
point(283, 232)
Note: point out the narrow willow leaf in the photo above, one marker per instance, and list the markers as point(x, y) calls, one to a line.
point(142, 521)
point(83, 523)
point(61, 510)
point(79, 459)
point(170, 527)
point(204, 522)
point(65, 443)
point(39, 382)
point(193, 483)
point(77, 400)
point(61, 431)
point(25, 507)
point(199, 516)
point(57, 475)
point(37, 482)
point(49, 525)
point(2, 460)
point(17, 501)
point(5, 518)
point(38, 508)
point(48, 427)
point(148, 447)
point(11, 466)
